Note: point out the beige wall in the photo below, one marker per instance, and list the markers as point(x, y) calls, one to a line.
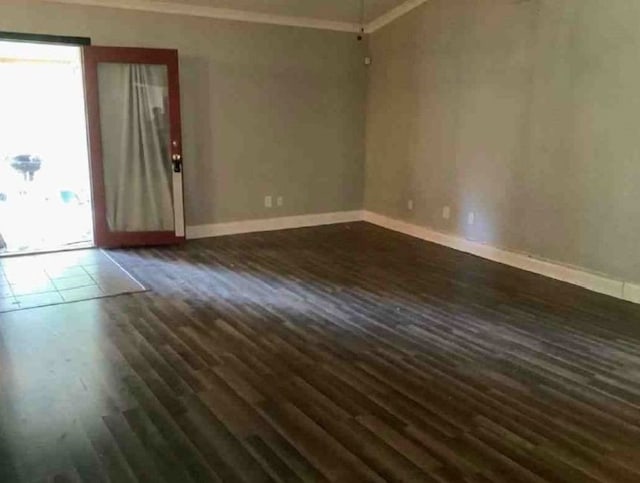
point(524, 112)
point(266, 109)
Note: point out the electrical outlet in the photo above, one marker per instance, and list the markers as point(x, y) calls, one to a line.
point(268, 201)
point(410, 205)
point(446, 212)
point(279, 201)
point(471, 218)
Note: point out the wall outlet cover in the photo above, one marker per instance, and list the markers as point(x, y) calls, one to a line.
point(446, 212)
point(471, 218)
point(268, 201)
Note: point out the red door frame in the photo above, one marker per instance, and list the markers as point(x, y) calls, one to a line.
point(92, 56)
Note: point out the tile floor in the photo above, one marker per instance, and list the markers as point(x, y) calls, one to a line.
point(55, 278)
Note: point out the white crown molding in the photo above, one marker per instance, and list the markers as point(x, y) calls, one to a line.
point(392, 14)
point(246, 16)
point(573, 275)
point(271, 224)
point(218, 13)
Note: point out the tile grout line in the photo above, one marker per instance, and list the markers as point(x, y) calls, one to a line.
point(124, 282)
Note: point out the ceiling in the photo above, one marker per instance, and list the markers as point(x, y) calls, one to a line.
point(341, 15)
point(333, 10)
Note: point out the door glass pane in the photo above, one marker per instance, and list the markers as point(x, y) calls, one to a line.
point(134, 121)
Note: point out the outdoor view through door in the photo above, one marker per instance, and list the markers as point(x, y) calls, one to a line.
point(45, 195)
point(125, 188)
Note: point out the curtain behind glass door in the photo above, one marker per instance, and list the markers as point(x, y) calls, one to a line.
point(134, 122)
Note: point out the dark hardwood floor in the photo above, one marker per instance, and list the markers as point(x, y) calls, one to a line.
point(341, 353)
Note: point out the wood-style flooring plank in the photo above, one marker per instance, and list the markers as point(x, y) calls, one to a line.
point(341, 353)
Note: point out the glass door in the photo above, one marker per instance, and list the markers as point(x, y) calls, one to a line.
point(133, 110)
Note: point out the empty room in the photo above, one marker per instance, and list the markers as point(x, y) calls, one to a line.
point(319, 240)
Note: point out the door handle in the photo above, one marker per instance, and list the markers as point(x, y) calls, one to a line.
point(176, 159)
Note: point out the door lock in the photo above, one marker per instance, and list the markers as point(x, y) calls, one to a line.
point(176, 159)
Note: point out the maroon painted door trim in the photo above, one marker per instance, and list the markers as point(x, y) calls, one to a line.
point(92, 56)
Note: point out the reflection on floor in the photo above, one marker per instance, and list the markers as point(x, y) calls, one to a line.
point(38, 280)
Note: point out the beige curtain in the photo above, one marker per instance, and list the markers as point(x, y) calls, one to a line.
point(135, 144)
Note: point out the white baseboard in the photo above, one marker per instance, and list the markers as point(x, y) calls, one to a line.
point(631, 292)
point(576, 276)
point(271, 224)
point(573, 275)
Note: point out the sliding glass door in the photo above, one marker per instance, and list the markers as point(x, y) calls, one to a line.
point(133, 108)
